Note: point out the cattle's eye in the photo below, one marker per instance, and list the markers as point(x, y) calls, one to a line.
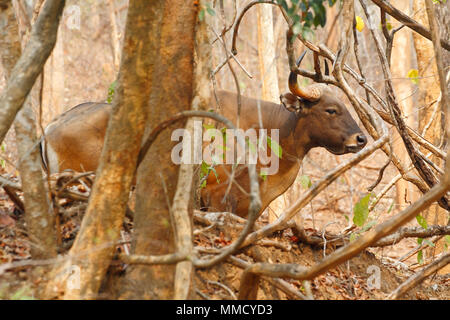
point(331, 111)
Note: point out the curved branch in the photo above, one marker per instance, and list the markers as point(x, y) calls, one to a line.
point(343, 254)
point(408, 21)
point(255, 200)
point(241, 15)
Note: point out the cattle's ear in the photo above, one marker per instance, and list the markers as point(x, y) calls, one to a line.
point(291, 102)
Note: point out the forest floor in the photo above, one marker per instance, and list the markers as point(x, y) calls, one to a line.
point(348, 281)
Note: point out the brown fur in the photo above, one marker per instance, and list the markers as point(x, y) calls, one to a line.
point(303, 125)
point(76, 138)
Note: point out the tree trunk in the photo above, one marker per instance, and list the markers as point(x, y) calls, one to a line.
point(266, 54)
point(9, 37)
point(114, 34)
point(94, 246)
point(173, 36)
point(39, 215)
point(430, 115)
point(182, 202)
point(269, 79)
point(53, 93)
point(30, 63)
point(401, 63)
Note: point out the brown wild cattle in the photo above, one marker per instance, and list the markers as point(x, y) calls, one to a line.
point(306, 118)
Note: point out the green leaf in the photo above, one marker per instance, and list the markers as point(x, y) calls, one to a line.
point(275, 147)
point(361, 211)
point(368, 225)
point(413, 75)
point(111, 91)
point(421, 221)
point(307, 33)
point(215, 173)
point(428, 242)
point(263, 175)
point(447, 242)
point(420, 257)
point(251, 146)
point(305, 182)
point(353, 236)
point(23, 293)
point(211, 11)
point(297, 28)
point(208, 126)
point(390, 207)
point(201, 14)
point(204, 168)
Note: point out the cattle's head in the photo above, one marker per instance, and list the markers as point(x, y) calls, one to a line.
point(323, 117)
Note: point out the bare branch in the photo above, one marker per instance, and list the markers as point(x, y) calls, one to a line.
point(420, 276)
point(408, 21)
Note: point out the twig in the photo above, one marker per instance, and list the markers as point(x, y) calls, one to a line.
point(396, 115)
point(408, 21)
point(178, 117)
point(282, 221)
point(434, 28)
point(384, 191)
point(255, 201)
point(380, 174)
point(280, 284)
point(295, 271)
point(421, 246)
point(230, 292)
point(150, 260)
point(239, 19)
point(227, 59)
point(412, 232)
point(420, 276)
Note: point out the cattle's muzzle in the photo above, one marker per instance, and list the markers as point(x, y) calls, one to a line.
point(356, 142)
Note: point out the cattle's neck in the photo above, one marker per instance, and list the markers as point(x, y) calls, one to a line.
point(294, 141)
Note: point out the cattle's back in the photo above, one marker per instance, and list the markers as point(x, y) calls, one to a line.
point(75, 139)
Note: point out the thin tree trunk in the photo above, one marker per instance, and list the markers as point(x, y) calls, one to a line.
point(401, 63)
point(266, 54)
point(429, 92)
point(30, 63)
point(38, 207)
point(114, 34)
point(441, 216)
point(53, 94)
point(269, 79)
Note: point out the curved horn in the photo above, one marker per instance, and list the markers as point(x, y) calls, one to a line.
point(310, 93)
